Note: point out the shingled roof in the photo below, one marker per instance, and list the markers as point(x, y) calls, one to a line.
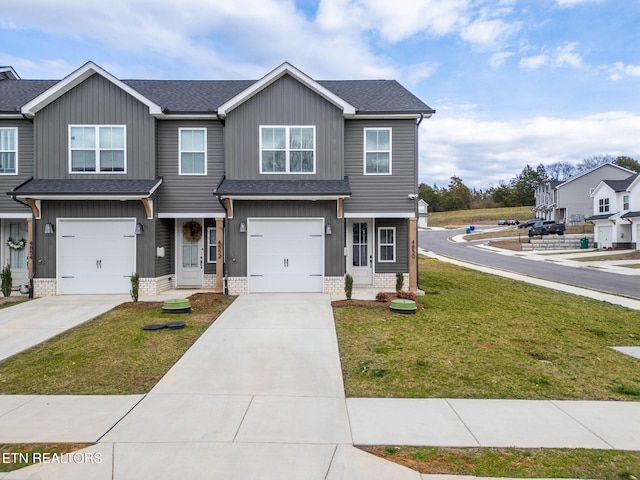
point(620, 185)
point(205, 96)
point(307, 188)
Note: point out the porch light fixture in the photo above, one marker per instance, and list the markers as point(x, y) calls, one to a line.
point(327, 229)
point(243, 227)
point(139, 229)
point(48, 228)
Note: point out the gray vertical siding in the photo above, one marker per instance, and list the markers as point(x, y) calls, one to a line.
point(96, 101)
point(165, 237)
point(45, 245)
point(402, 241)
point(237, 242)
point(381, 193)
point(25, 166)
point(285, 102)
point(189, 193)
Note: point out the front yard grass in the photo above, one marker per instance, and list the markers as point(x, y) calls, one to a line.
point(111, 354)
point(483, 336)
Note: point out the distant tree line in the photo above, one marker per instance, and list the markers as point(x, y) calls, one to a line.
point(519, 191)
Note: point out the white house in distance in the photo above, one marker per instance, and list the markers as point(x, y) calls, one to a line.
point(570, 200)
point(423, 213)
point(616, 219)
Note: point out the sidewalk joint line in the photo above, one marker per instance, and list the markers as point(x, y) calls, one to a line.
point(463, 422)
point(333, 456)
point(553, 402)
point(242, 420)
point(121, 418)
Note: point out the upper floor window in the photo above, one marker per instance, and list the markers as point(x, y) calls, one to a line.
point(8, 151)
point(97, 148)
point(287, 149)
point(193, 151)
point(377, 151)
point(625, 202)
point(603, 205)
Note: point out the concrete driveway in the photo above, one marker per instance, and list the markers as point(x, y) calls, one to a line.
point(30, 323)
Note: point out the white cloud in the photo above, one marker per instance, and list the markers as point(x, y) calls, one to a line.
point(619, 70)
point(497, 60)
point(561, 56)
point(483, 153)
point(574, 3)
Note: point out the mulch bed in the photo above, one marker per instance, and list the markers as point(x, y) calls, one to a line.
point(371, 303)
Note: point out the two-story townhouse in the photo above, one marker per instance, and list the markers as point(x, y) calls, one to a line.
point(573, 196)
point(613, 219)
point(545, 199)
point(280, 184)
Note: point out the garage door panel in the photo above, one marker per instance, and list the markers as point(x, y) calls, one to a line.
point(95, 256)
point(286, 255)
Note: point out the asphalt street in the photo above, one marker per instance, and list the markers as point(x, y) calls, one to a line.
point(437, 241)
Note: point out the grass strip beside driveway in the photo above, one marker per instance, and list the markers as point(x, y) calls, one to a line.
point(111, 354)
point(483, 336)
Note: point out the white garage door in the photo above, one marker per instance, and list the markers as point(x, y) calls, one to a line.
point(95, 256)
point(285, 255)
point(605, 236)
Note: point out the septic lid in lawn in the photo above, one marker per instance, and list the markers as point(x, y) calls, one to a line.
point(175, 325)
point(401, 305)
point(155, 326)
point(177, 305)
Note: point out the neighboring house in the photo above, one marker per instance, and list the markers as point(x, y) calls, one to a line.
point(545, 200)
point(423, 213)
point(616, 219)
point(282, 184)
point(572, 201)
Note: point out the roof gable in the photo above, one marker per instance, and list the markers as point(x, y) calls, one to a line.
point(273, 76)
point(74, 79)
point(603, 185)
point(580, 175)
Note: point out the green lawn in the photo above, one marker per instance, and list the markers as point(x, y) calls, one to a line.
point(482, 336)
point(480, 215)
point(112, 354)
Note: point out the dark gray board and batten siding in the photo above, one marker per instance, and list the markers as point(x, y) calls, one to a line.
point(96, 101)
point(289, 103)
point(402, 246)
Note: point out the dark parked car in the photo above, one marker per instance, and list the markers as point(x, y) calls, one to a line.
point(529, 223)
point(502, 222)
point(546, 227)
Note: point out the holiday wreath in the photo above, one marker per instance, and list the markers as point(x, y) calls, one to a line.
point(16, 245)
point(192, 231)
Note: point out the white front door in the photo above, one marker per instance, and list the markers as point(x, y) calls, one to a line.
point(190, 252)
point(360, 245)
point(16, 250)
point(95, 256)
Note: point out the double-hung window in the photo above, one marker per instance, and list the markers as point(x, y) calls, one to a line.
point(8, 151)
point(193, 151)
point(603, 205)
point(625, 202)
point(288, 149)
point(97, 148)
point(377, 151)
point(387, 244)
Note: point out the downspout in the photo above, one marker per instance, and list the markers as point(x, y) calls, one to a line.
point(417, 200)
point(33, 239)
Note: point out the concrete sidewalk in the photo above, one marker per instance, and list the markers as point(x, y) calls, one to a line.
point(260, 395)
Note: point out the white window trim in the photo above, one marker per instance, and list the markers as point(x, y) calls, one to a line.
point(211, 232)
point(97, 150)
point(380, 244)
point(364, 149)
point(603, 205)
point(15, 130)
point(180, 152)
point(287, 129)
point(625, 202)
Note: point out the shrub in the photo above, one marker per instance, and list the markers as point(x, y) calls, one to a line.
point(399, 281)
point(382, 297)
point(348, 285)
point(406, 295)
point(7, 280)
point(135, 286)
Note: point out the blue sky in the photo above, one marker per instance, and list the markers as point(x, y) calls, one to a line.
point(513, 82)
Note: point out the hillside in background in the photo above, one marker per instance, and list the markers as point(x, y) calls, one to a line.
point(481, 216)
